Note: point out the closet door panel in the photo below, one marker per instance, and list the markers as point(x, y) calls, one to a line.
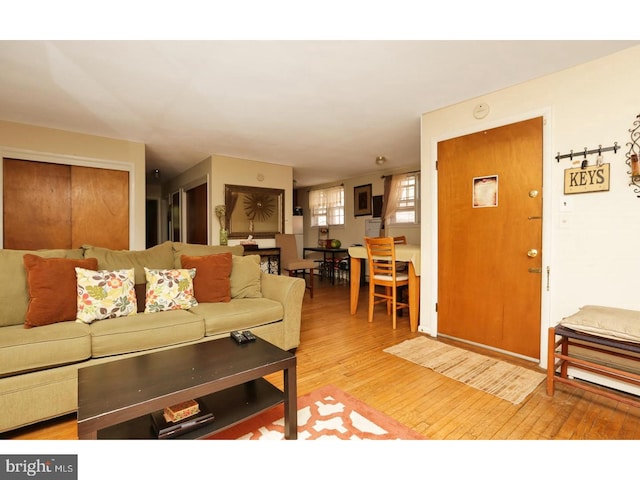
point(37, 205)
point(100, 207)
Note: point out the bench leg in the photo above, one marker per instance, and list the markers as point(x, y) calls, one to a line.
point(551, 361)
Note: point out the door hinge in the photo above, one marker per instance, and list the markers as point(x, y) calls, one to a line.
point(436, 164)
point(436, 307)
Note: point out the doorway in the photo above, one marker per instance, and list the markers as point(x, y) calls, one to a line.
point(197, 221)
point(490, 237)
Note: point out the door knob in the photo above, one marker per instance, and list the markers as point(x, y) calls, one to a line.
point(532, 253)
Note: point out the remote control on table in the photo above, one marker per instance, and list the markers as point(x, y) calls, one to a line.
point(238, 337)
point(249, 336)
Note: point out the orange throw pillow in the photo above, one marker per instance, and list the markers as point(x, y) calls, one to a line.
point(52, 288)
point(212, 282)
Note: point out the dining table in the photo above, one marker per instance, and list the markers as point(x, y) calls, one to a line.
point(408, 253)
point(334, 253)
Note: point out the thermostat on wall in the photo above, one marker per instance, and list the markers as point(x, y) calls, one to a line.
point(481, 110)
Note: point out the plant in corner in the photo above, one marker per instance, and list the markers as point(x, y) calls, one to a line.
point(221, 213)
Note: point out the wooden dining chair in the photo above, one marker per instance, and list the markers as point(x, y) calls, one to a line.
point(291, 263)
point(402, 267)
point(381, 255)
point(400, 240)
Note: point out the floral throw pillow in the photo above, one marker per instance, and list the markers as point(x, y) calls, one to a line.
point(105, 294)
point(169, 289)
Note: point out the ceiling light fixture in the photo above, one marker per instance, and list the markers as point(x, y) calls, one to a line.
point(380, 160)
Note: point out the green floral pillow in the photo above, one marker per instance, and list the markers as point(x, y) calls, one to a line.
point(169, 289)
point(105, 294)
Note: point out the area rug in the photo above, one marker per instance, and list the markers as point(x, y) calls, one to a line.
point(324, 414)
point(509, 382)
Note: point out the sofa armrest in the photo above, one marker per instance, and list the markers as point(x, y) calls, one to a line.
point(289, 291)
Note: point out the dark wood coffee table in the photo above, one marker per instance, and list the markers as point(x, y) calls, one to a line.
point(116, 399)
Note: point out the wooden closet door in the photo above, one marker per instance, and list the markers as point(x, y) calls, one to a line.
point(99, 208)
point(37, 205)
point(48, 205)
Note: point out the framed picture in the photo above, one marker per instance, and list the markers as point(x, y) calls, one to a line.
point(254, 211)
point(485, 191)
point(362, 200)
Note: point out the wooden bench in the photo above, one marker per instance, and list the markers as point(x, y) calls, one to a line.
point(560, 359)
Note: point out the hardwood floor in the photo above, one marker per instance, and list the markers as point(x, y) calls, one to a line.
point(347, 351)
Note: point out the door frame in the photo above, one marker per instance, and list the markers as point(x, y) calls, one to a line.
point(429, 293)
point(202, 180)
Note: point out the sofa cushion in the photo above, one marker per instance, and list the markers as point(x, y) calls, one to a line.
point(245, 277)
point(608, 322)
point(196, 250)
point(212, 282)
point(238, 314)
point(144, 331)
point(105, 294)
point(14, 295)
point(51, 283)
point(158, 257)
point(23, 350)
point(169, 290)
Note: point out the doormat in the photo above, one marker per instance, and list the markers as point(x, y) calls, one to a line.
point(326, 413)
point(508, 382)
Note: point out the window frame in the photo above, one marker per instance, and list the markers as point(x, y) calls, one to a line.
point(322, 207)
point(415, 200)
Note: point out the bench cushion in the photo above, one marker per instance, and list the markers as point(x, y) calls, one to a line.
point(608, 322)
point(23, 350)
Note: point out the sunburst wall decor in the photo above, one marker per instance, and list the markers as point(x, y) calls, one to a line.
point(254, 211)
point(259, 206)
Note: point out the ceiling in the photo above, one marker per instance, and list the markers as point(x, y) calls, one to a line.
point(327, 108)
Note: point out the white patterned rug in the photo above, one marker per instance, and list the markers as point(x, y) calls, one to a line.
point(509, 382)
point(324, 414)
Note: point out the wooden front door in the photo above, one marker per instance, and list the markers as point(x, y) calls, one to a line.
point(490, 237)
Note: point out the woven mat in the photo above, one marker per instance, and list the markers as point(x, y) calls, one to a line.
point(509, 382)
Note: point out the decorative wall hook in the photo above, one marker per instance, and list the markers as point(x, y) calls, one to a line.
point(586, 152)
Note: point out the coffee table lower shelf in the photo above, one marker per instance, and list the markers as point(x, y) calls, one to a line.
point(229, 407)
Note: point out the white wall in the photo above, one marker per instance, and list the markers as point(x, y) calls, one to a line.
point(591, 250)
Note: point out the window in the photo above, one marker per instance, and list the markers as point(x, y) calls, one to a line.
point(327, 206)
point(404, 199)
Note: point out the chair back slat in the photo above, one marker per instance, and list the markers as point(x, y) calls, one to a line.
point(381, 254)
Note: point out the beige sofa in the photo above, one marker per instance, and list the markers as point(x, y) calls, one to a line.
point(39, 364)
